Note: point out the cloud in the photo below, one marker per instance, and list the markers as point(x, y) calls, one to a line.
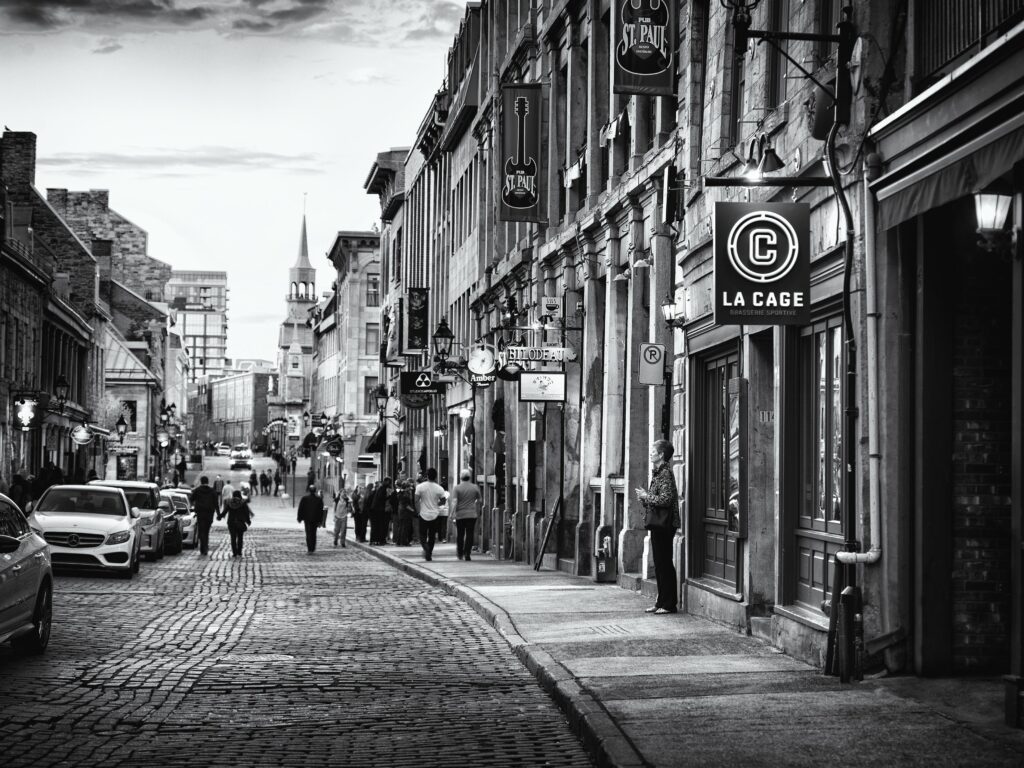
point(183, 161)
point(108, 45)
point(367, 76)
point(377, 23)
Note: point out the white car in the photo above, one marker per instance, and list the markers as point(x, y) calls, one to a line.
point(181, 505)
point(146, 498)
point(241, 457)
point(89, 526)
point(26, 582)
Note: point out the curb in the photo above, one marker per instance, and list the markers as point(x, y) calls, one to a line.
point(589, 720)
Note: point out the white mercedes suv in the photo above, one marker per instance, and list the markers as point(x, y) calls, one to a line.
point(88, 526)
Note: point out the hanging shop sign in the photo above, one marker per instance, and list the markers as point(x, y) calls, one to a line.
point(393, 335)
point(163, 438)
point(482, 380)
point(644, 45)
point(521, 145)
point(81, 435)
point(762, 264)
point(542, 387)
point(28, 411)
point(415, 333)
point(419, 383)
point(539, 354)
point(482, 362)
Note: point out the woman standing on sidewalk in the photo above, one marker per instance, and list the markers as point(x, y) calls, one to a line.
point(661, 518)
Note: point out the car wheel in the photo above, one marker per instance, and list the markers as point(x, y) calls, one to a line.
point(128, 572)
point(178, 545)
point(161, 550)
point(42, 619)
point(135, 562)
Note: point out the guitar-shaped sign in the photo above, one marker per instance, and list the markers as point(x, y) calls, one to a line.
point(520, 188)
point(643, 49)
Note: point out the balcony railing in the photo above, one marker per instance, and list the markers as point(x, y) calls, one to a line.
point(946, 31)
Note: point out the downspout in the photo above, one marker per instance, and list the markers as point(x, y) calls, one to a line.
point(874, 553)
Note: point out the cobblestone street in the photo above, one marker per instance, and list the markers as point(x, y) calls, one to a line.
point(279, 658)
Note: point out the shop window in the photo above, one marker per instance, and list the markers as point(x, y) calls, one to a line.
point(819, 530)
point(717, 502)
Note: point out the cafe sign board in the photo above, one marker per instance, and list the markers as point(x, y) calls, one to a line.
point(762, 264)
point(539, 354)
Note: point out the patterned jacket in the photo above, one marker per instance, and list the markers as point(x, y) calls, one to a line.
point(662, 492)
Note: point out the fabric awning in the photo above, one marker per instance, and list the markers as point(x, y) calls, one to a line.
point(376, 442)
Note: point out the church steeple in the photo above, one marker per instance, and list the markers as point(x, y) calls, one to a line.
point(302, 276)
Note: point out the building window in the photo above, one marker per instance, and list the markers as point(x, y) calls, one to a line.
point(737, 99)
point(372, 339)
point(778, 20)
point(129, 409)
point(370, 394)
point(819, 530)
point(373, 290)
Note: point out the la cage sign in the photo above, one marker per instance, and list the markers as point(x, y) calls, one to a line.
point(762, 263)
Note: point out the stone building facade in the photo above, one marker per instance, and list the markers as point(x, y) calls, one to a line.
point(875, 446)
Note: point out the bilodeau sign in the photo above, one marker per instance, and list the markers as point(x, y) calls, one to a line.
point(762, 264)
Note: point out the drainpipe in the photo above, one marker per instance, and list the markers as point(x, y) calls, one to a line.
point(874, 554)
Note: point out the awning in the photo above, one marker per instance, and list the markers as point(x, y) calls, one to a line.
point(955, 138)
point(376, 442)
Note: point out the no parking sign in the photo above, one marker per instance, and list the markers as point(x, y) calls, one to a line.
point(652, 363)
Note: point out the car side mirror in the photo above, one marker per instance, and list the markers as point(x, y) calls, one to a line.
point(164, 506)
point(8, 544)
point(136, 513)
point(29, 507)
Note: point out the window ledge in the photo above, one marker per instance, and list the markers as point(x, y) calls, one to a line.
point(802, 616)
point(716, 589)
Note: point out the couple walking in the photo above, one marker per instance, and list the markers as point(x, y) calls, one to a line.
point(430, 499)
point(207, 502)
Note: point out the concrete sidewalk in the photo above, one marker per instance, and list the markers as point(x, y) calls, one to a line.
point(645, 690)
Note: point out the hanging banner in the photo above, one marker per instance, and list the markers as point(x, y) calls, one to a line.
point(762, 263)
point(521, 145)
point(415, 336)
point(644, 35)
point(393, 335)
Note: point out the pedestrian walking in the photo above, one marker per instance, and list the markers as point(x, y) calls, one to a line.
point(277, 481)
point(264, 483)
point(295, 462)
point(465, 508)
point(342, 509)
point(218, 487)
point(20, 491)
point(360, 505)
point(429, 499)
point(239, 516)
point(380, 512)
point(406, 505)
point(661, 518)
point(206, 504)
point(254, 482)
point(442, 518)
point(311, 509)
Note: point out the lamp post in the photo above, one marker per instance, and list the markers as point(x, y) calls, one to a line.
point(121, 426)
point(61, 388)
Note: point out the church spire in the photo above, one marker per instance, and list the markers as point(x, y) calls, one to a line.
point(303, 260)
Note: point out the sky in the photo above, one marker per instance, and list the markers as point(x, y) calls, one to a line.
point(215, 123)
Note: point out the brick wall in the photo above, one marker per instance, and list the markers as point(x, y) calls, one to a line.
point(90, 216)
point(981, 464)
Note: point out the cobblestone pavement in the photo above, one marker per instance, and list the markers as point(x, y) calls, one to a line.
point(279, 658)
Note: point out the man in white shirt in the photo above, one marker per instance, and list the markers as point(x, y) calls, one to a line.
point(429, 499)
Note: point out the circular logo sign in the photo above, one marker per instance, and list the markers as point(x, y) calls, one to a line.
point(81, 435)
point(762, 246)
point(481, 361)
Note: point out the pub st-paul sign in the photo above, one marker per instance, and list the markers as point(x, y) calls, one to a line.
point(762, 264)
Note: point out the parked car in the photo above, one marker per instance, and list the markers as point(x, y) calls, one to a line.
point(89, 526)
point(241, 457)
point(26, 582)
point(146, 497)
point(181, 507)
point(222, 449)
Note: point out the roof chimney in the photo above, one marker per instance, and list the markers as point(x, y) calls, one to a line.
point(18, 157)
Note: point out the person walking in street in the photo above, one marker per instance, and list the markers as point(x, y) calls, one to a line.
point(429, 498)
point(206, 504)
point(218, 488)
point(239, 516)
point(661, 518)
point(360, 504)
point(277, 481)
point(380, 512)
point(406, 512)
point(264, 483)
point(342, 509)
point(254, 482)
point(311, 509)
point(226, 493)
point(465, 508)
point(20, 491)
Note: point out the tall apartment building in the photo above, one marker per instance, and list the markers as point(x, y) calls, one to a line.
point(201, 300)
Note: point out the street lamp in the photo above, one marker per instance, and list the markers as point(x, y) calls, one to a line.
point(670, 313)
point(324, 418)
point(62, 389)
point(443, 340)
point(382, 397)
point(991, 206)
point(122, 428)
point(305, 418)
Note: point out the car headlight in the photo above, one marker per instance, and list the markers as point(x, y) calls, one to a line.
point(120, 537)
